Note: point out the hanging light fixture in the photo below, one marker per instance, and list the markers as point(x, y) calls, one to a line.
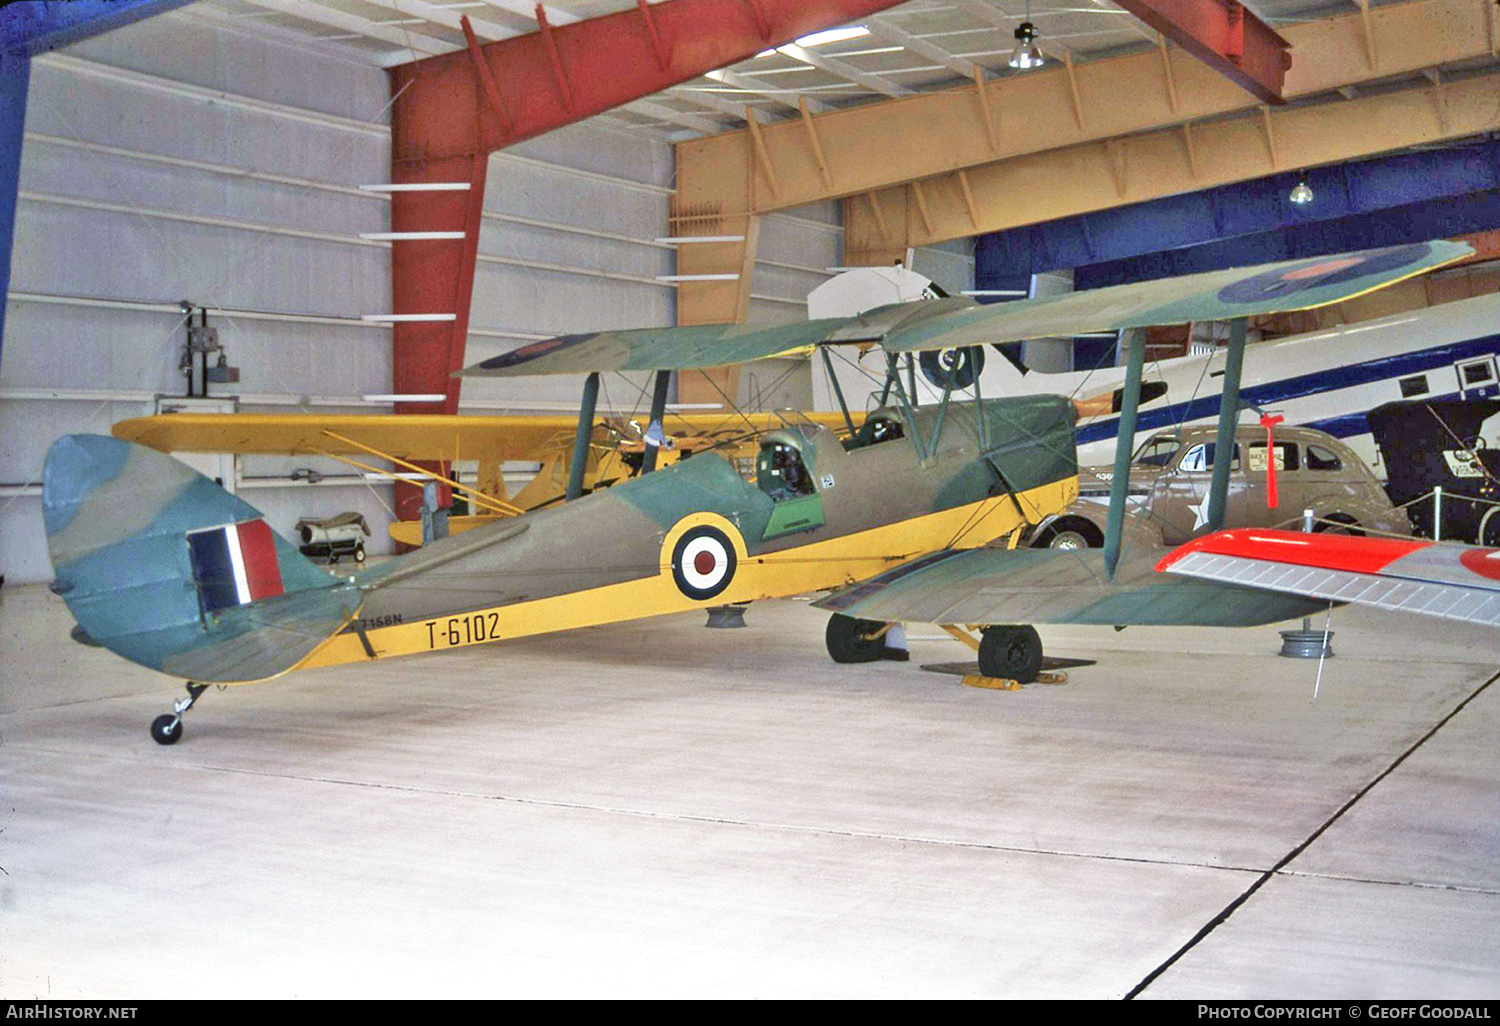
point(1301, 194)
point(1027, 54)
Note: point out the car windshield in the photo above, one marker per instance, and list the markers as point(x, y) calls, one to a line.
point(1158, 451)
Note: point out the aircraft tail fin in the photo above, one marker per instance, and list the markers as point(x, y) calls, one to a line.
point(163, 567)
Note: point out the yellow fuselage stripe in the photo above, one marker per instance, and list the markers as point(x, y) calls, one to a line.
point(815, 567)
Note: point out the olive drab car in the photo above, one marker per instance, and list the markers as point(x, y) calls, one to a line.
point(1169, 482)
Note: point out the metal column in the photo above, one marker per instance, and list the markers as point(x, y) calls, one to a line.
point(1229, 419)
point(581, 439)
point(658, 411)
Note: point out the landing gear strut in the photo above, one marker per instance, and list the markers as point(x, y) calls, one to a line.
point(166, 729)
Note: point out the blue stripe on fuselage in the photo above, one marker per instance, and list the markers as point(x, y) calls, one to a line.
point(1331, 380)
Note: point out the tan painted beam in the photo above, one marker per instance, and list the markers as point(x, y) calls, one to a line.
point(1166, 70)
point(879, 215)
point(877, 145)
point(1073, 91)
point(986, 114)
point(815, 142)
point(759, 145)
point(1076, 180)
point(716, 302)
point(921, 198)
point(968, 194)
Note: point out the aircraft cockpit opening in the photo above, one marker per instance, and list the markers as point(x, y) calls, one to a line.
point(781, 472)
point(880, 426)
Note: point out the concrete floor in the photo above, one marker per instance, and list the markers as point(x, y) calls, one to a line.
point(660, 810)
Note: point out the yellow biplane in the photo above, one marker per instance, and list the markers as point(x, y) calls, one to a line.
point(617, 450)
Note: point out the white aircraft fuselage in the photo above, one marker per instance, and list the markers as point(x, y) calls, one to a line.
point(1325, 379)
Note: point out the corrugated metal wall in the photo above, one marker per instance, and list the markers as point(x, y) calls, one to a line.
point(183, 159)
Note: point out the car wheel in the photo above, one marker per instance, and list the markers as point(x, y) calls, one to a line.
point(1069, 534)
point(1338, 523)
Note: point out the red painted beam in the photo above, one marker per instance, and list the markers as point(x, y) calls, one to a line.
point(450, 113)
point(1226, 37)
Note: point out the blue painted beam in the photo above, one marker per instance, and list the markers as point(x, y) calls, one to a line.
point(1445, 217)
point(15, 76)
point(1255, 208)
point(28, 28)
point(34, 26)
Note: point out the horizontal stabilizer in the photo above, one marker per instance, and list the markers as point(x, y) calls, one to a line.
point(268, 638)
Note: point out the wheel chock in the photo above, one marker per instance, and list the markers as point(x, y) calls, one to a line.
point(977, 680)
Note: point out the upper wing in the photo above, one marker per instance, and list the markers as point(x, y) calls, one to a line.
point(412, 436)
point(1212, 296)
point(408, 436)
point(956, 321)
point(1411, 575)
point(993, 586)
point(645, 349)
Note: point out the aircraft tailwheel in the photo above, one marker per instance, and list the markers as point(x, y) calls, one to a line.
point(850, 640)
point(166, 729)
point(1011, 652)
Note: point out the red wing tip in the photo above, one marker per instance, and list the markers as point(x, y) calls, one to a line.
point(1331, 551)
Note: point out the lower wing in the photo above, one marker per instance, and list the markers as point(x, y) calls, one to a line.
point(1457, 582)
point(1001, 586)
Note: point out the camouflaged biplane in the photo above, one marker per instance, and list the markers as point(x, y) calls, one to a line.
point(913, 516)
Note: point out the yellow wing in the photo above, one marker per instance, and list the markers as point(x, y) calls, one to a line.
point(450, 438)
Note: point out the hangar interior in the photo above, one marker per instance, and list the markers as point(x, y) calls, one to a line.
point(652, 809)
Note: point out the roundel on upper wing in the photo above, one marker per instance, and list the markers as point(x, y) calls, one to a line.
point(1319, 272)
point(703, 562)
point(535, 351)
point(1484, 562)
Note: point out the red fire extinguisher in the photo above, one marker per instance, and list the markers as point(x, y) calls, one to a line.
point(1269, 422)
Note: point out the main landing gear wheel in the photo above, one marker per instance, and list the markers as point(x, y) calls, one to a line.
point(849, 640)
point(166, 729)
point(1011, 652)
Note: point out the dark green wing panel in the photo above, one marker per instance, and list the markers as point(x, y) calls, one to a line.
point(988, 586)
point(956, 321)
point(1030, 440)
point(1212, 296)
point(646, 349)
